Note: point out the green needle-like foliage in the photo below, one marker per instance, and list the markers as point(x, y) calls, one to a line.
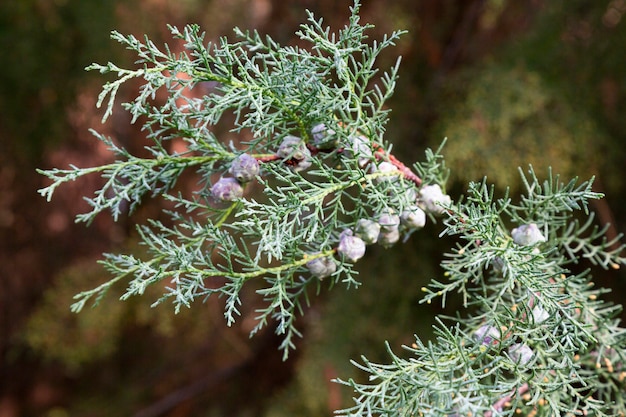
point(523, 298)
point(536, 337)
point(270, 92)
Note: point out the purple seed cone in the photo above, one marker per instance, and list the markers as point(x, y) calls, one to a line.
point(322, 267)
point(351, 247)
point(244, 168)
point(227, 189)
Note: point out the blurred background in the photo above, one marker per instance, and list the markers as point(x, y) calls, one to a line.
point(508, 82)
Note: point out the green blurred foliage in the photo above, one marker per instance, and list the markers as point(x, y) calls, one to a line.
point(46, 45)
point(128, 350)
point(499, 118)
point(78, 341)
point(70, 339)
point(550, 96)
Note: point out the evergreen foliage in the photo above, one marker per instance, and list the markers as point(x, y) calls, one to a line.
point(26, 27)
point(536, 337)
point(523, 297)
point(526, 122)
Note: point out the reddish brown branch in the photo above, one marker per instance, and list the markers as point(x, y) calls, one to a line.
point(268, 158)
point(379, 154)
point(406, 172)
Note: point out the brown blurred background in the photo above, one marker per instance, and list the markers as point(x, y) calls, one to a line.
point(509, 83)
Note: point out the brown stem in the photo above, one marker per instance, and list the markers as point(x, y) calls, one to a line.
point(379, 154)
point(267, 158)
point(406, 172)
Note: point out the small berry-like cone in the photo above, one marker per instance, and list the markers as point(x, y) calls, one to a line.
point(388, 221)
point(351, 247)
point(431, 199)
point(527, 235)
point(388, 237)
point(360, 148)
point(294, 149)
point(540, 315)
point(487, 334)
point(413, 218)
point(498, 265)
point(323, 137)
point(520, 353)
point(368, 230)
point(322, 267)
point(227, 189)
point(385, 167)
point(244, 168)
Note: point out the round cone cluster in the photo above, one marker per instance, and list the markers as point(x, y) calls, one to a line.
point(487, 335)
point(384, 230)
point(295, 152)
point(243, 169)
point(351, 247)
point(520, 353)
point(227, 189)
point(527, 235)
point(323, 137)
point(322, 267)
point(432, 199)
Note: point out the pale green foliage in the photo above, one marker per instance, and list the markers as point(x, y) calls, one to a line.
point(272, 91)
point(527, 295)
